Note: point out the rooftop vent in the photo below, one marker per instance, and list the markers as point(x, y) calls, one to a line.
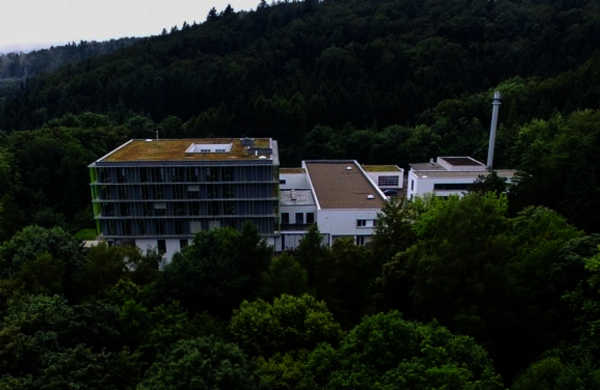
point(370, 197)
point(348, 168)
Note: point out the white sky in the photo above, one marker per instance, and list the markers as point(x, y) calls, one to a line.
point(32, 24)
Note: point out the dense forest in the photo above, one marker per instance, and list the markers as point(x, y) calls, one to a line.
point(498, 289)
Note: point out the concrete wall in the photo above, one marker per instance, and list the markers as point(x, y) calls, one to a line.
point(343, 222)
point(294, 181)
point(374, 176)
point(172, 244)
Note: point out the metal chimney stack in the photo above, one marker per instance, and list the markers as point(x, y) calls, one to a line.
point(496, 104)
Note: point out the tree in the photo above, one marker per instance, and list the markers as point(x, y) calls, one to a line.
point(313, 256)
point(207, 275)
point(289, 323)
point(280, 335)
point(387, 352)
point(202, 363)
point(284, 276)
point(34, 241)
point(393, 233)
point(212, 15)
point(354, 273)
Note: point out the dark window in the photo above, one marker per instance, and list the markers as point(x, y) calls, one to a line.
point(282, 181)
point(285, 218)
point(360, 240)
point(162, 247)
point(183, 244)
point(310, 218)
point(299, 218)
point(389, 181)
point(361, 222)
point(452, 186)
point(412, 185)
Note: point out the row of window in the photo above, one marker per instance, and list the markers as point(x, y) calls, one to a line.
point(452, 186)
point(179, 227)
point(388, 181)
point(299, 220)
point(181, 209)
point(249, 173)
point(185, 191)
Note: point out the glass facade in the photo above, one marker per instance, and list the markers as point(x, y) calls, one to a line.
point(159, 200)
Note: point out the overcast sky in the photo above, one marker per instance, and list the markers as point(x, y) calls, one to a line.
point(32, 24)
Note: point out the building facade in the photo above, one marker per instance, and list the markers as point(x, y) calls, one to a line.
point(447, 176)
point(159, 193)
point(340, 196)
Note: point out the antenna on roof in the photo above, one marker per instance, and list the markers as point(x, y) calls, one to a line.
point(496, 104)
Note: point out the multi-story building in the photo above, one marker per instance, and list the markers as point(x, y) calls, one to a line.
point(159, 193)
point(448, 176)
point(339, 196)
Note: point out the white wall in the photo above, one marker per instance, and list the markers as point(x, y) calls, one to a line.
point(294, 181)
point(342, 222)
point(172, 245)
point(374, 176)
point(424, 185)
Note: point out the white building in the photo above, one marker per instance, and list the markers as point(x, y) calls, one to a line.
point(448, 176)
point(340, 196)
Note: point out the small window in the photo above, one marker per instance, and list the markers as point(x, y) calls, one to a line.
point(361, 222)
point(412, 185)
point(360, 240)
point(299, 218)
point(162, 247)
point(285, 218)
point(310, 218)
point(282, 181)
point(183, 244)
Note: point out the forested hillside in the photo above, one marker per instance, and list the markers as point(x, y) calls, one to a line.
point(497, 289)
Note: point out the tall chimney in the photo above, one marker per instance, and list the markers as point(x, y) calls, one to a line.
point(496, 104)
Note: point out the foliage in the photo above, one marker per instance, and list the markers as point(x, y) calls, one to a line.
point(202, 363)
point(209, 273)
point(290, 323)
point(285, 276)
point(385, 351)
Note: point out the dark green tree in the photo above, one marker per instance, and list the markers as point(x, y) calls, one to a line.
point(386, 351)
point(202, 363)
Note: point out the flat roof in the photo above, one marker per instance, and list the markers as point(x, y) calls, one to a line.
point(430, 166)
point(296, 198)
point(337, 187)
point(508, 173)
point(381, 168)
point(184, 150)
point(292, 170)
point(461, 161)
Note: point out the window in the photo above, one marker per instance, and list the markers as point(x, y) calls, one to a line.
point(282, 181)
point(389, 181)
point(310, 218)
point(195, 226)
point(452, 186)
point(360, 240)
point(122, 192)
point(183, 244)
point(162, 247)
point(285, 218)
point(361, 222)
point(299, 218)
point(178, 226)
point(412, 185)
point(160, 209)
